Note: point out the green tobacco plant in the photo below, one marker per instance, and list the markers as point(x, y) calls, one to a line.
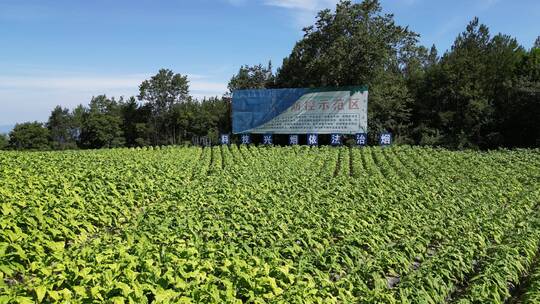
point(246, 224)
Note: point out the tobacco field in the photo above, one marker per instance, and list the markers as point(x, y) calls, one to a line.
point(246, 224)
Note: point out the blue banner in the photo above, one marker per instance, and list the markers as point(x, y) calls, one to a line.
point(300, 111)
point(252, 108)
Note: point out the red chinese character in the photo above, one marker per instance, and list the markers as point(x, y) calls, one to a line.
point(353, 104)
point(295, 107)
point(309, 106)
point(324, 105)
point(338, 105)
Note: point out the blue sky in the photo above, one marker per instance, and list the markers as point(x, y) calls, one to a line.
point(64, 52)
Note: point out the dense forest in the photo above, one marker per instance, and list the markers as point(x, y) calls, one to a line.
point(482, 93)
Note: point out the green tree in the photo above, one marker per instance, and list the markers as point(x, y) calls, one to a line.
point(185, 115)
point(102, 124)
point(162, 92)
point(519, 124)
point(29, 136)
point(4, 141)
point(504, 55)
point(466, 97)
point(135, 119)
point(62, 129)
point(358, 45)
point(347, 47)
point(389, 107)
point(129, 110)
point(252, 77)
point(206, 117)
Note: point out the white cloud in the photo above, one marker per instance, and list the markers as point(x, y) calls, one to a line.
point(86, 83)
point(303, 5)
point(304, 11)
point(25, 97)
point(208, 86)
point(81, 83)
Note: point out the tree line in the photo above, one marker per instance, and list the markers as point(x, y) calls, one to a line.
point(484, 92)
point(162, 114)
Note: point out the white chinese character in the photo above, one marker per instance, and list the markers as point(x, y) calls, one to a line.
point(312, 139)
point(293, 139)
point(360, 139)
point(267, 139)
point(385, 139)
point(245, 139)
point(336, 139)
point(225, 139)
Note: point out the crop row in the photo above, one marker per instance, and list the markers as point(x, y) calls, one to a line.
point(259, 224)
